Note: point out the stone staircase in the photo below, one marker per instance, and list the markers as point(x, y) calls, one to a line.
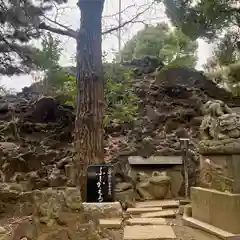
point(147, 221)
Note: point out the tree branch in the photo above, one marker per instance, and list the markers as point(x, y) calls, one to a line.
point(73, 34)
point(116, 14)
point(70, 33)
point(129, 21)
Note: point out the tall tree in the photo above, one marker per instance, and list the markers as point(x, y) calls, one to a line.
point(171, 46)
point(22, 21)
point(90, 91)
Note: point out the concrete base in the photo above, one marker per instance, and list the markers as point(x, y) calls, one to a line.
point(219, 209)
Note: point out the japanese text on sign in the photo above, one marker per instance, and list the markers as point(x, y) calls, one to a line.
point(99, 185)
point(109, 181)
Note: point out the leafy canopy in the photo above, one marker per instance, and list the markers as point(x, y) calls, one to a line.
point(172, 47)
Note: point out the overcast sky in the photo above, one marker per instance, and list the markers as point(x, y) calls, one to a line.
point(70, 16)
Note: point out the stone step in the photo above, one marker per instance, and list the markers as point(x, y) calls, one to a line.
point(168, 213)
point(160, 203)
point(143, 210)
point(111, 223)
point(150, 232)
point(184, 202)
point(146, 221)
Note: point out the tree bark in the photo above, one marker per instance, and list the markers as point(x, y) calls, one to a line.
point(89, 131)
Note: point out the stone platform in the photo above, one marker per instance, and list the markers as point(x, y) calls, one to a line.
point(219, 209)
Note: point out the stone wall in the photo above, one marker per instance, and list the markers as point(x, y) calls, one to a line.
point(58, 214)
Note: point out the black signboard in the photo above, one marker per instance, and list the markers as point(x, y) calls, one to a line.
point(100, 183)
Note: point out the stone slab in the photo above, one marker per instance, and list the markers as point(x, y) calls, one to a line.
point(146, 221)
point(143, 210)
point(152, 232)
point(168, 213)
point(155, 160)
point(194, 223)
point(216, 208)
point(161, 203)
point(110, 223)
point(184, 202)
point(105, 209)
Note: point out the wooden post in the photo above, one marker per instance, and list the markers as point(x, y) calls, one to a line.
point(184, 146)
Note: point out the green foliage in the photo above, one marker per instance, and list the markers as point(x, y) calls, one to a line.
point(234, 73)
point(227, 49)
point(50, 54)
point(119, 96)
point(203, 18)
point(121, 102)
point(172, 47)
point(47, 60)
point(228, 77)
point(21, 22)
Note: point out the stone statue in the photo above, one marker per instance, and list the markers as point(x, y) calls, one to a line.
point(152, 187)
point(124, 191)
point(219, 122)
point(219, 147)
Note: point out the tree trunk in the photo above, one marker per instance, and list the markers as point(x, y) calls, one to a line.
point(90, 92)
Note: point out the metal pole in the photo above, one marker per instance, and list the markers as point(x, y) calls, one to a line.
point(119, 28)
point(185, 144)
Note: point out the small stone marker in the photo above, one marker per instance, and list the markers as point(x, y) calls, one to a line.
point(100, 181)
point(169, 213)
point(143, 210)
point(146, 221)
point(110, 223)
point(151, 232)
point(160, 203)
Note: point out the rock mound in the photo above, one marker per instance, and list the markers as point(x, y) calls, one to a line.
point(36, 133)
